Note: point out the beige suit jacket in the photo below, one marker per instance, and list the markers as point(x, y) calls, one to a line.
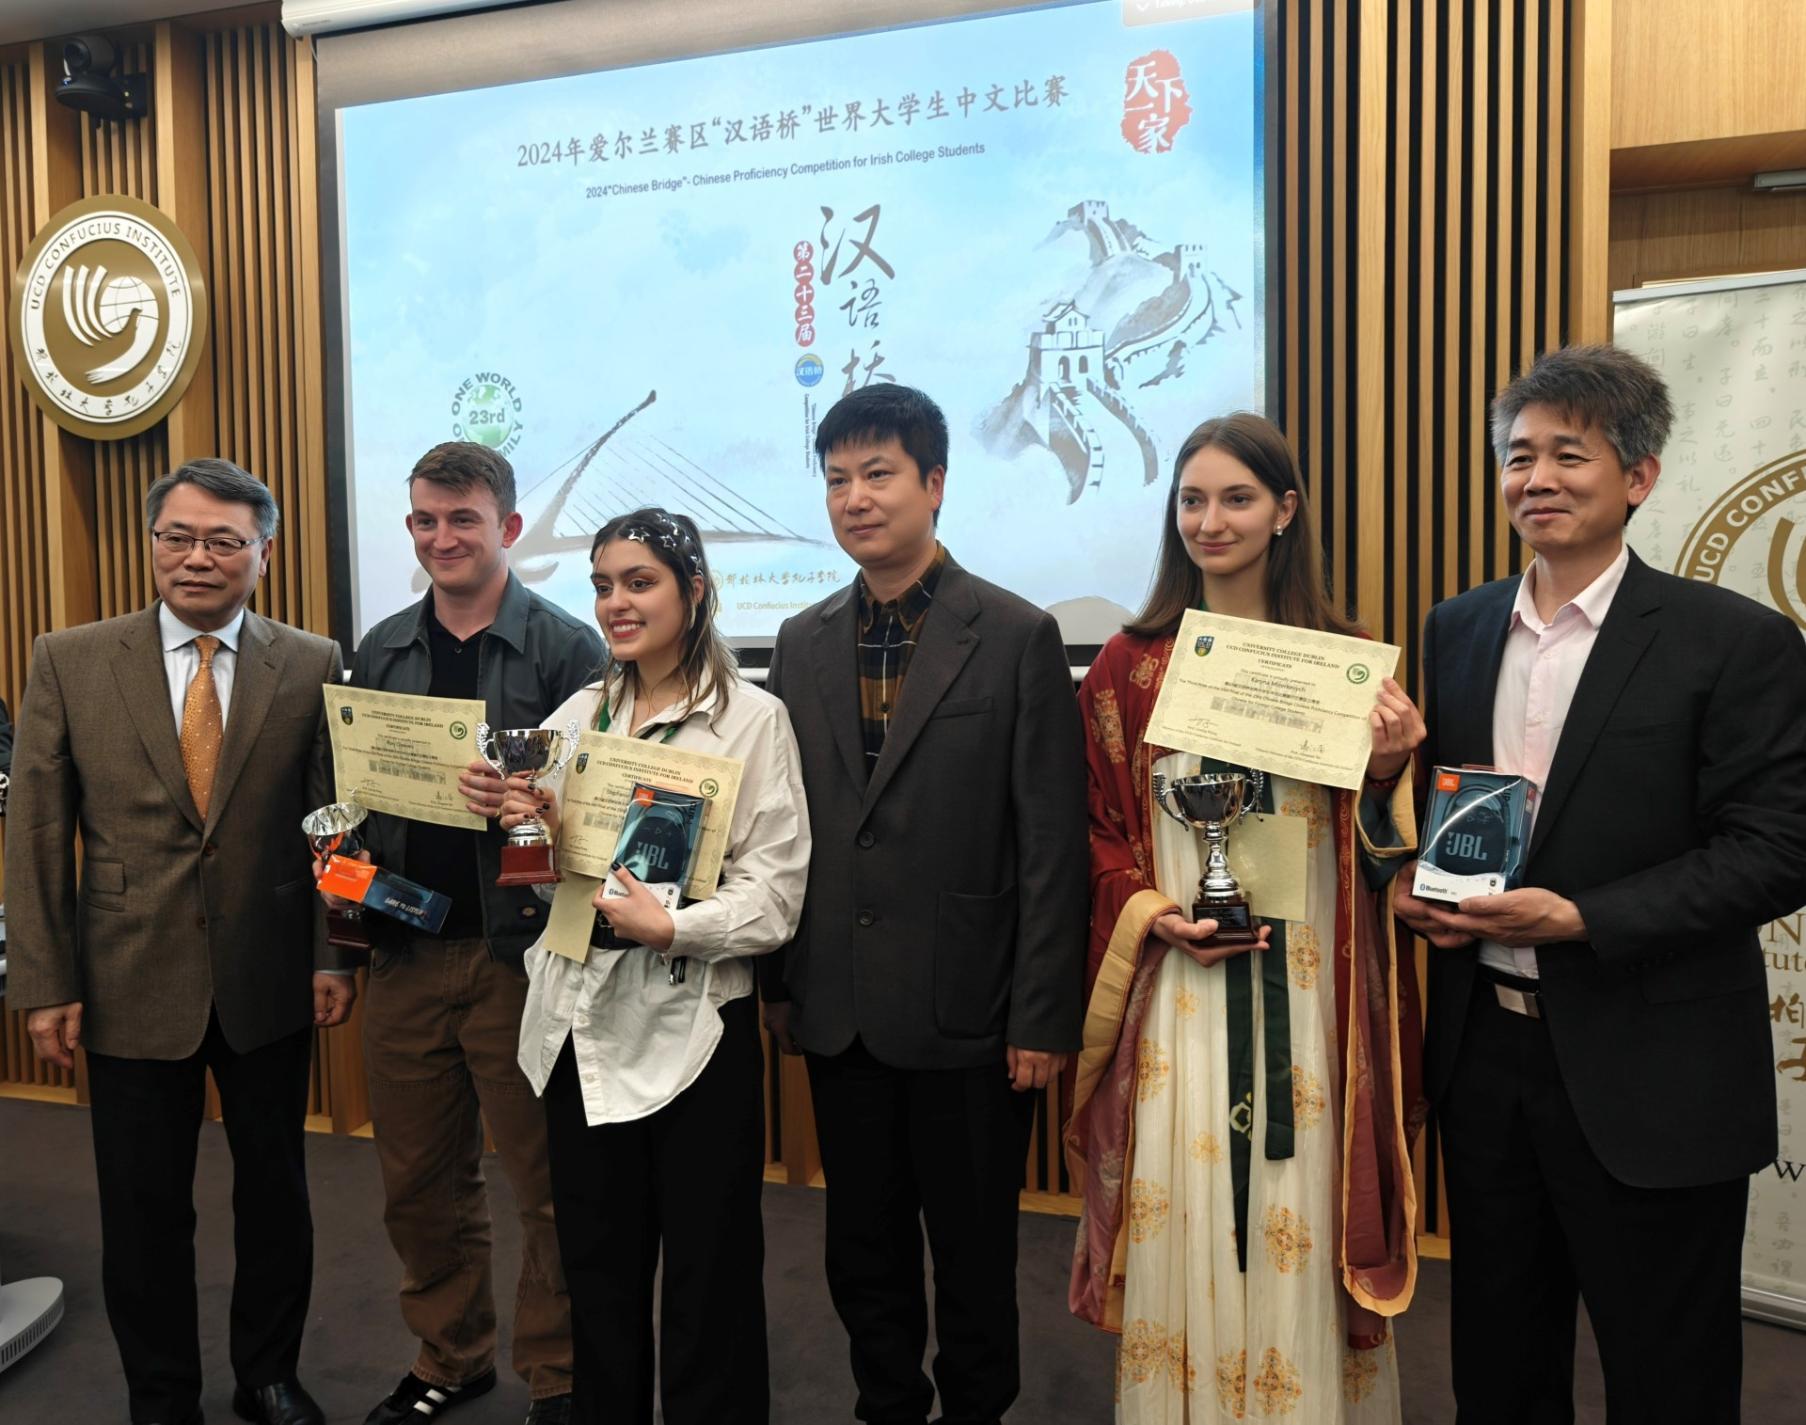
point(171, 916)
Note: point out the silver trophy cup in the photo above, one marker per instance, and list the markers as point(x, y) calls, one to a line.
point(1212, 802)
point(332, 832)
point(530, 752)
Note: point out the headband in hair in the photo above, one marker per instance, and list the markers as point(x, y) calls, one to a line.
point(667, 533)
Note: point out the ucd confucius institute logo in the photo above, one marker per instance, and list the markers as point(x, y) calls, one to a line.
point(1750, 524)
point(109, 315)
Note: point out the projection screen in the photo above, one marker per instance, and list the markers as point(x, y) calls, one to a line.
point(641, 249)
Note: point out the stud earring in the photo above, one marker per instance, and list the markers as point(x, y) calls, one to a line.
point(1278, 530)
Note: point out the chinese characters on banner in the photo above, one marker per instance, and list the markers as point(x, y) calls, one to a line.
point(780, 126)
point(1155, 106)
point(865, 301)
point(1729, 510)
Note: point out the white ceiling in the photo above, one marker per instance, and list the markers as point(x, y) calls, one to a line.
point(42, 19)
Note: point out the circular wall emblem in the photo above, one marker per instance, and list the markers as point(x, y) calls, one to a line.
point(487, 409)
point(108, 317)
point(808, 371)
point(1751, 534)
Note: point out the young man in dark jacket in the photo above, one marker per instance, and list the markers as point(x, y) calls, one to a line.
point(442, 1014)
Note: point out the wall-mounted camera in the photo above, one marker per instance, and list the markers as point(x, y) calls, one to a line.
point(91, 84)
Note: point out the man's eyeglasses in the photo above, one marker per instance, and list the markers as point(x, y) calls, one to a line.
point(220, 546)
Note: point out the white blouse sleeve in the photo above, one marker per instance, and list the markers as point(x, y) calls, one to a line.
point(760, 899)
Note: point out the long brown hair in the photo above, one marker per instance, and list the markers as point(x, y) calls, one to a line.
point(707, 663)
point(1296, 593)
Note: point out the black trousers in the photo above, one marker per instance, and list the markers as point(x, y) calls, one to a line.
point(1537, 1222)
point(688, 1178)
point(900, 1147)
point(146, 1116)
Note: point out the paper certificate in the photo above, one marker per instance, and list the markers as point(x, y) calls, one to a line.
point(1273, 697)
point(593, 804)
point(401, 754)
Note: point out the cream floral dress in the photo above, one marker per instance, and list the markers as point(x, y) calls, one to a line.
point(1202, 1341)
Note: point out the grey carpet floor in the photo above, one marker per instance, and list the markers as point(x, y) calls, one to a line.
point(356, 1347)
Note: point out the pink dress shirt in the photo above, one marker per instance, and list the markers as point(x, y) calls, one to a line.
point(1538, 673)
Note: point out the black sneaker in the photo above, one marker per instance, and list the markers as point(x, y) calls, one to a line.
point(415, 1402)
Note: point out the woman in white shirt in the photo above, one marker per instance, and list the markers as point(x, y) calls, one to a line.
point(648, 1058)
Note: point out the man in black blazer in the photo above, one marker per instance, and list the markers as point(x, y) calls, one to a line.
point(937, 976)
point(1598, 1046)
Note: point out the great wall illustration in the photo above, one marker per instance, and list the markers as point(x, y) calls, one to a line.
point(1129, 326)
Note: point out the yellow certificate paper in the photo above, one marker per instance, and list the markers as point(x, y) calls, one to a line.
point(1273, 697)
point(599, 781)
point(400, 754)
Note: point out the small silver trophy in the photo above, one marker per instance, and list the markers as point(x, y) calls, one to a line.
point(335, 833)
point(530, 752)
point(1212, 802)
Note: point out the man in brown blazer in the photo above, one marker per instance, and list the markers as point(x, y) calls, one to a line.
point(937, 978)
point(184, 745)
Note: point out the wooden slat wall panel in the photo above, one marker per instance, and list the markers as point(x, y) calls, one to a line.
point(1460, 174)
point(24, 527)
point(24, 561)
point(270, 415)
point(1428, 253)
point(121, 158)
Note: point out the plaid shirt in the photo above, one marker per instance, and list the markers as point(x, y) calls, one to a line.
point(887, 641)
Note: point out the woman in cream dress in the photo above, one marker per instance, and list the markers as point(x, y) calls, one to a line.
point(1242, 1119)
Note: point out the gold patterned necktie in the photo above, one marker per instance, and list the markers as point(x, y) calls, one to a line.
point(202, 726)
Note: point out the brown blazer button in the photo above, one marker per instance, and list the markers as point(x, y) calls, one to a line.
point(866, 917)
point(201, 921)
point(866, 839)
point(209, 849)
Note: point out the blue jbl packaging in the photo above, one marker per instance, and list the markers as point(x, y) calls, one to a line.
point(407, 901)
point(1476, 832)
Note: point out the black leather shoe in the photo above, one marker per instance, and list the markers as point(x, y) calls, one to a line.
point(551, 1410)
point(415, 1402)
point(285, 1403)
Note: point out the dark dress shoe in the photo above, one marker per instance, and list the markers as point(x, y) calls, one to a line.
point(285, 1403)
point(415, 1402)
point(551, 1410)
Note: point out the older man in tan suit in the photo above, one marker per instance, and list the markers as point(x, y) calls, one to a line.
point(183, 744)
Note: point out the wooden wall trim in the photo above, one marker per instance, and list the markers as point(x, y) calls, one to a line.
point(177, 80)
point(68, 474)
point(1705, 232)
point(1686, 70)
point(1375, 63)
point(1590, 196)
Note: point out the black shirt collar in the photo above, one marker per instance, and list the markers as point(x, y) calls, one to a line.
point(913, 602)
